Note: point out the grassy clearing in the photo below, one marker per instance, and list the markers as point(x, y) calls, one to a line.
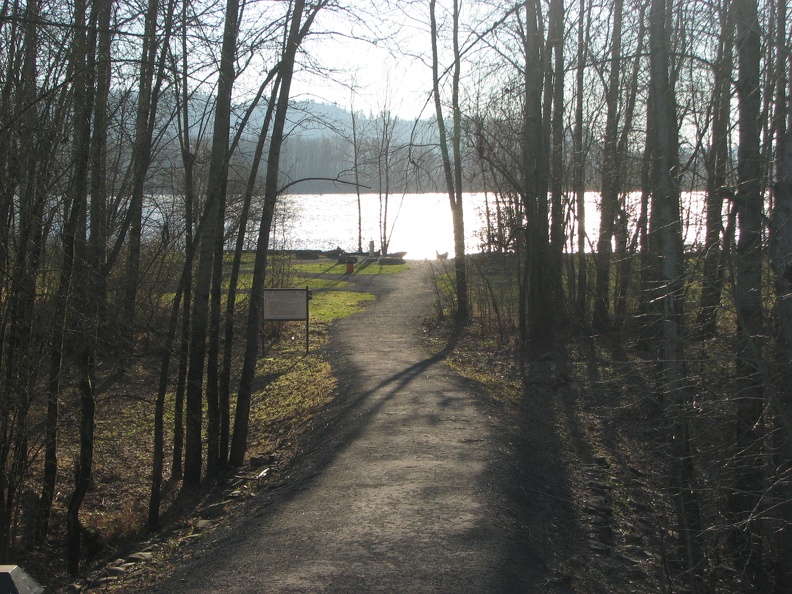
point(296, 384)
point(360, 268)
point(322, 283)
point(291, 387)
point(332, 305)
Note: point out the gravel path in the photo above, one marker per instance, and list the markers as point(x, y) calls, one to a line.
point(408, 486)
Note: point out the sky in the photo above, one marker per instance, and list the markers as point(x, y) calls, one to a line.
point(384, 73)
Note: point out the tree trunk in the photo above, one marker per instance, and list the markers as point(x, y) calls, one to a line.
point(181, 384)
point(669, 289)
point(99, 233)
point(717, 162)
point(188, 161)
point(748, 478)
point(539, 307)
point(580, 165)
point(610, 187)
point(452, 170)
point(30, 171)
point(84, 290)
point(781, 252)
point(213, 461)
point(19, 355)
point(384, 152)
point(242, 413)
point(457, 209)
point(158, 456)
point(626, 248)
point(356, 172)
point(233, 281)
point(203, 277)
point(141, 158)
point(649, 275)
point(557, 235)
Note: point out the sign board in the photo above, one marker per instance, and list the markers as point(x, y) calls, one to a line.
point(286, 304)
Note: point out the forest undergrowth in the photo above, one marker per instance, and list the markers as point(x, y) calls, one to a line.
point(291, 386)
point(590, 402)
point(115, 513)
point(598, 400)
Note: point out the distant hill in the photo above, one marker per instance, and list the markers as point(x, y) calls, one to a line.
point(318, 147)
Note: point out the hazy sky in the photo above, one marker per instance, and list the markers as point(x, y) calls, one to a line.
point(388, 74)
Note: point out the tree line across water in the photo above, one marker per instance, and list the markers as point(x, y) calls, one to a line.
point(102, 102)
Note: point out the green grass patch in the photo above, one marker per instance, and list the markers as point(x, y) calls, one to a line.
point(507, 391)
point(282, 411)
point(248, 257)
point(322, 283)
point(244, 282)
point(360, 268)
point(382, 269)
point(327, 306)
point(297, 385)
point(301, 387)
point(318, 268)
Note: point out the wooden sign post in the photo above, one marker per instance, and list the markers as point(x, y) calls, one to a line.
point(287, 305)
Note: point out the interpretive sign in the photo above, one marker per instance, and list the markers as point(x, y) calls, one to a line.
point(287, 305)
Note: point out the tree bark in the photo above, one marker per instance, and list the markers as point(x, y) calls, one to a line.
point(781, 258)
point(141, 158)
point(158, 457)
point(356, 171)
point(452, 170)
point(85, 321)
point(188, 162)
point(609, 205)
point(203, 276)
point(233, 281)
point(557, 235)
point(19, 354)
point(748, 478)
point(717, 163)
point(295, 36)
point(579, 180)
point(537, 297)
point(669, 289)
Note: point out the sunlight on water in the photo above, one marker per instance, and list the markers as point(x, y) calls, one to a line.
point(420, 224)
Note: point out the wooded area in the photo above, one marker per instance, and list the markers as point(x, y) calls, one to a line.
point(127, 200)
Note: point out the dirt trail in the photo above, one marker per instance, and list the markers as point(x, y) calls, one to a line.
point(408, 485)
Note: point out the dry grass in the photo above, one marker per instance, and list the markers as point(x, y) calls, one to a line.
point(292, 387)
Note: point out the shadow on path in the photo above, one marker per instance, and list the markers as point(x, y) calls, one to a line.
point(408, 483)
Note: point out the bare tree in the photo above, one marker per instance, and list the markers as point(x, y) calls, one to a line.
point(452, 171)
point(383, 154)
point(717, 165)
point(295, 34)
point(536, 319)
point(579, 167)
point(356, 137)
point(147, 102)
point(78, 190)
point(199, 323)
point(748, 478)
point(781, 258)
point(233, 281)
point(668, 289)
point(610, 189)
point(26, 180)
point(625, 248)
point(555, 87)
